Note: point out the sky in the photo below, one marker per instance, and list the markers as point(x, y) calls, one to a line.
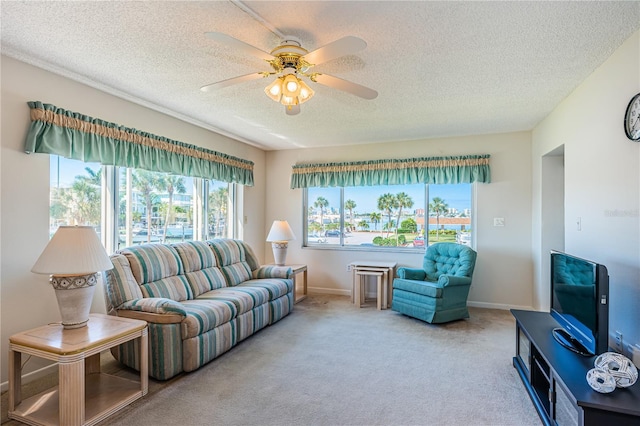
point(366, 197)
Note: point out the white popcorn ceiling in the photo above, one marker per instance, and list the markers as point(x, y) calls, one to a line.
point(441, 68)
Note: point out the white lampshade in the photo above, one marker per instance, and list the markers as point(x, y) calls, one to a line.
point(73, 257)
point(73, 250)
point(280, 231)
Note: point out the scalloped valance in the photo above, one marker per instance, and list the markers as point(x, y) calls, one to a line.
point(428, 170)
point(76, 136)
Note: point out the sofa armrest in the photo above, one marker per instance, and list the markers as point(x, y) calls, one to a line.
point(412, 274)
point(452, 280)
point(154, 305)
point(272, 271)
point(149, 317)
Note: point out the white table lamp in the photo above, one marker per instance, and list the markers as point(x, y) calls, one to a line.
point(73, 257)
point(279, 237)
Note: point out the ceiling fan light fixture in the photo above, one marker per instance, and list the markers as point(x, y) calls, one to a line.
point(306, 92)
point(274, 90)
point(289, 100)
point(291, 86)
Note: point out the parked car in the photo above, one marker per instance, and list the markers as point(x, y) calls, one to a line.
point(332, 233)
point(418, 241)
point(316, 239)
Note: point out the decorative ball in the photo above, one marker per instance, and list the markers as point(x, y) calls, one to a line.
point(619, 366)
point(600, 380)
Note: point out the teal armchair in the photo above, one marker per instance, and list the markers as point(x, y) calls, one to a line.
point(438, 292)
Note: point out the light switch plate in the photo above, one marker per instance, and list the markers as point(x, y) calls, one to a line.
point(498, 221)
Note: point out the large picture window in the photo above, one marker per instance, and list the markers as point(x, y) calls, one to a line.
point(383, 216)
point(147, 206)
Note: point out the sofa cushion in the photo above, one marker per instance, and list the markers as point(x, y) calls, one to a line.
point(243, 298)
point(159, 271)
point(206, 314)
point(231, 256)
point(200, 266)
point(276, 287)
point(121, 284)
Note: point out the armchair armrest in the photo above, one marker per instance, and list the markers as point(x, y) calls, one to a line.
point(452, 280)
point(412, 274)
point(272, 271)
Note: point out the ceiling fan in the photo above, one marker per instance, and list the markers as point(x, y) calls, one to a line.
point(289, 62)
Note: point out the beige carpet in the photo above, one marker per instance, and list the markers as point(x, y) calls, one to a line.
point(330, 363)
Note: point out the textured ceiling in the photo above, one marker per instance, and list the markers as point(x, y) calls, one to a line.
point(441, 68)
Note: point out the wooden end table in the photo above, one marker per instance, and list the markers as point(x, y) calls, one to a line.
point(361, 268)
point(84, 396)
point(297, 269)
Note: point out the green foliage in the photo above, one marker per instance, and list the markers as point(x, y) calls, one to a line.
point(408, 226)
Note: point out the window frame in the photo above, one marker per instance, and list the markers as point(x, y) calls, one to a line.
point(342, 246)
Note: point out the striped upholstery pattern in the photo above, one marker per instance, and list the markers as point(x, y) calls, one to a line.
point(200, 267)
point(121, 286)
point(205, 315)
point(201, 349)
point(276, 287)
point(281, 307)
point(252, 321)
point(175, 288)
point(152, 262)
point(244, 298)
point(272, 271)
point(155, 305)
point(165, 351)
point(231, 256)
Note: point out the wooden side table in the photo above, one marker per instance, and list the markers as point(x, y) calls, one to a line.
point(360, 269)
point(84, 396)
point(297, 269)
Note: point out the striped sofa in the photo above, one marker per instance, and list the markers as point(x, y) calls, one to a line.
point(200, 298)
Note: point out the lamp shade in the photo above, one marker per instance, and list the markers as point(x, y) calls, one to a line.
point(73, 250)
point(280, 231)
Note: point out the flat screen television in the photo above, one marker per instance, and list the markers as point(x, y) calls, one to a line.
point(580, 303)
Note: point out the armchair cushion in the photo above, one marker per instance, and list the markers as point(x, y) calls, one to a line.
point(412, 274)
point(426, 288)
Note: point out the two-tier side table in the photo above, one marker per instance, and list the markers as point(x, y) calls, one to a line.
point(84, 395)
point(382, 271)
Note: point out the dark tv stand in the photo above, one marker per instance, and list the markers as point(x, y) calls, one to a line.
point(563, 337)
point(555, 379)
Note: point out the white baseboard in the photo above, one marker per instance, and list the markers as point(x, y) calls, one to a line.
point(34, 375)
point(485, 305)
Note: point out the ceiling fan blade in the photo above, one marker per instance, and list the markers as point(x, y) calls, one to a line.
point(347, 86)
point(239, 45)
point(341, 47)
point(292, 109)
point(230, 81)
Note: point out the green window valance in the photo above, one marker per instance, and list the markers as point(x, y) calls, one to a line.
point(429, 170)
point(72, 135)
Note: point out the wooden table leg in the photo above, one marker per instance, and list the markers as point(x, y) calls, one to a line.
point(15, 379)
point(144, 361)
point(71, 393)
point(380, 298)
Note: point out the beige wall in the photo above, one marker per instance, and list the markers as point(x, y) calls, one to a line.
point(503, 276)
point(602, 184)
point(27, 299)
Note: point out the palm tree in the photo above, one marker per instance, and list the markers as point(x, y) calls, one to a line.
point(375, 218)
point(350, 205)
point(171, 184)
point(321, 203)
point(439, 207)
point(363, 225)
point(387, 203)
point(145, 182)
point(404, 200)
point(218, 206)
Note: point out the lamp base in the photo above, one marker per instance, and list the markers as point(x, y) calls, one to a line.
point(74, 294)
point(280, 251)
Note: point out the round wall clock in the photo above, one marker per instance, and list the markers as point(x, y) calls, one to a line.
point(632, 119)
